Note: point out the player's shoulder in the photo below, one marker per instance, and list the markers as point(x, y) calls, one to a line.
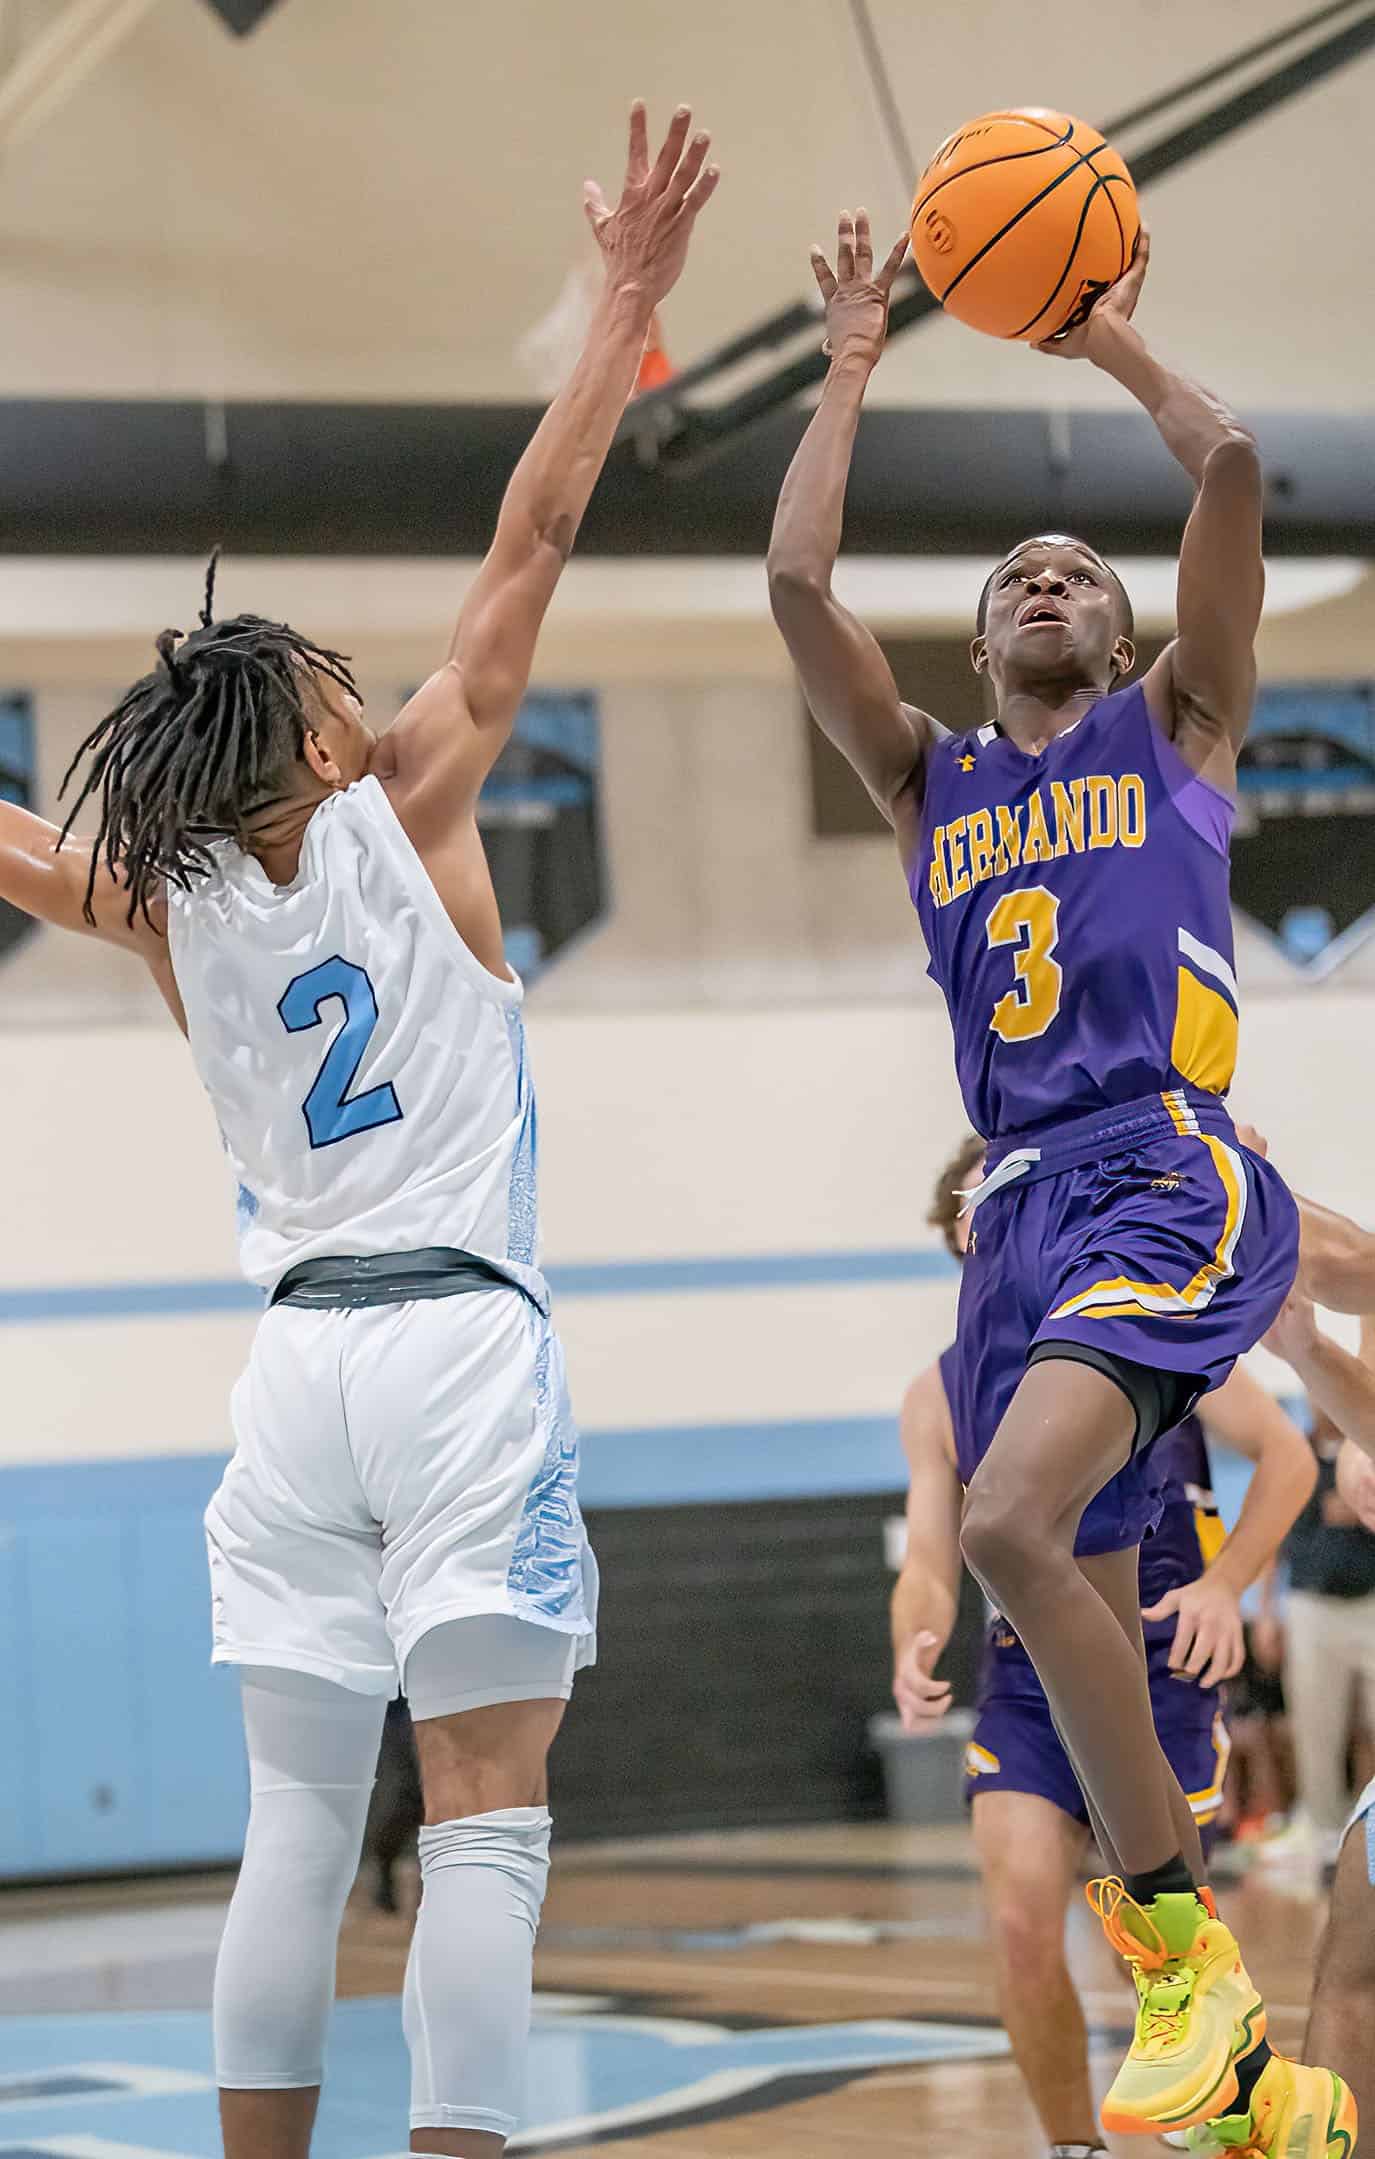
point(945, 746)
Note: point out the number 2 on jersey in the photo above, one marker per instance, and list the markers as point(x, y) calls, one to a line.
point(1027, 920)
point(331, 1113)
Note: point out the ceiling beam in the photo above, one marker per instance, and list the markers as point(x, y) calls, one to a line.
point(149, 477)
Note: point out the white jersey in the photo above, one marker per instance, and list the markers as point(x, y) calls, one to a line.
point(368, 1072)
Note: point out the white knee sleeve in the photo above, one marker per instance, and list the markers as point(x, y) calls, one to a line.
point(467, 1998)
point(312, 1752)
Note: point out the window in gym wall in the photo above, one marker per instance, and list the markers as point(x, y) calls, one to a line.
point(1302, 862)
point(16, 785)
point(540, 819)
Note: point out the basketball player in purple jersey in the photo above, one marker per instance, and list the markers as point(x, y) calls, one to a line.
point(1069, 864)
point(1029, 1819)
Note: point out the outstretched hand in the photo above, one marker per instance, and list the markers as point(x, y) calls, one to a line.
point(644, 240)
point(856, 299)
point(921, 1698)
point(1108, 313)
point(1209, 1642)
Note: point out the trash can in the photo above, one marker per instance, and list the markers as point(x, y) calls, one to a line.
point(921, 1770)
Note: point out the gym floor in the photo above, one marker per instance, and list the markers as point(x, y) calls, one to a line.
point(761, 1992)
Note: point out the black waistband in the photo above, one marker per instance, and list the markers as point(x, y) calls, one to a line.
point(345, 1284)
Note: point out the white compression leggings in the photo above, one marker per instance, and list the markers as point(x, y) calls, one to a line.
point(312, 1751)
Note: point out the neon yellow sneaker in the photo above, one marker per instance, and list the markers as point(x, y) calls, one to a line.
point(1197, 2011)
point(1296, 2113)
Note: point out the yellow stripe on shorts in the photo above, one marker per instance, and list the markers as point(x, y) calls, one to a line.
point(1120, 1297)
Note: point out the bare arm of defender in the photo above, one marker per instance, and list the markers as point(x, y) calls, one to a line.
point(926, 1593)
point(46, 876)
point(435, 758)
point(1202, 687)
point(848, 683)
point(1209, 1644)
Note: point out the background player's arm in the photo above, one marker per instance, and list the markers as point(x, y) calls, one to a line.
point(1336, 1256)
point(1202, 687)
point(926, 1593)
point(847, 681)
point(1209, 1643)
point(436, 756)
point(1356, 1482)
point(1336, 1259)
point(1342, 1386)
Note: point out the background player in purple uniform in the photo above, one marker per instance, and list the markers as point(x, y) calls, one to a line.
point(1029, 1818)
point(1069, 863)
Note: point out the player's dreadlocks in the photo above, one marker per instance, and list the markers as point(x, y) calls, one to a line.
point(194, 749)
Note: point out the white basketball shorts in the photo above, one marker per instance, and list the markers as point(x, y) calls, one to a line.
point(394, 1467)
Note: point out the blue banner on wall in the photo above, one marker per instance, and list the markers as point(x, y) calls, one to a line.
point(1302, 862)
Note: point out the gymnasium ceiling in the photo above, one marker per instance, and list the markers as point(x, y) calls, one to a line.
point(374, 199)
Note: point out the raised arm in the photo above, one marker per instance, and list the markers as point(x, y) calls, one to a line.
point(926, 1593)
point(1202, 687)
point(46, 876)
point(1209, 1643)
point(847, 682)
point(435, 758)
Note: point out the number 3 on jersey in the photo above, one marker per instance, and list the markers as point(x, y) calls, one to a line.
point(1027, 920)
point(331, 1113)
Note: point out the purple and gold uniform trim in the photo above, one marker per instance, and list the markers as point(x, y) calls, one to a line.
point(1118, 1296)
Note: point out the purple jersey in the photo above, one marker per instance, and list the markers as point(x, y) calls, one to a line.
point(1075, 907)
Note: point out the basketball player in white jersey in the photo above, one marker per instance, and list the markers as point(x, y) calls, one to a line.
point(316, 906)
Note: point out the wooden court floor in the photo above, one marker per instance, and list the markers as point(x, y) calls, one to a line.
point(851, 1963)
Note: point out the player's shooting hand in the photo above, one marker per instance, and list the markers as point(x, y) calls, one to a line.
point(1209, 1642)
point(644, 240)
point(1295, 1330)
point(922, 1701)
point(1094, 335)
point(1356, 1482)
point(856, 296)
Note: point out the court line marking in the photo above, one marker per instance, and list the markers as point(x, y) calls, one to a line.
point(66, 1301)
point(685, 1978)
point(114, 2081)
point(64, 2147)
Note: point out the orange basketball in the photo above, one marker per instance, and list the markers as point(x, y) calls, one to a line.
point(1021, 220)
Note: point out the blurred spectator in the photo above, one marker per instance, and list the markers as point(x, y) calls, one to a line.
point(1329, 1663)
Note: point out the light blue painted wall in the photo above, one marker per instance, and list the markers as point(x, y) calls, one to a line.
point(120, 1746)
